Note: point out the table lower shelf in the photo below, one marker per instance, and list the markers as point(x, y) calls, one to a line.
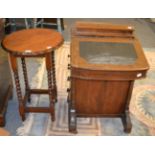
point(27, 98)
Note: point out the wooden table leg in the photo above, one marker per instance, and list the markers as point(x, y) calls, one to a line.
point(50, 86)
point(27, 87)
point(54, 75)
point(13, 61)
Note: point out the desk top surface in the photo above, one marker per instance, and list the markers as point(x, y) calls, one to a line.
point(32, 41)
point(105, 47)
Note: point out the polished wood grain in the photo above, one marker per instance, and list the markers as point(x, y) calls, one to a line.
point(103, 99)
point(32, 42)
point(101, 30)
point(36, 42)
point(102, 90)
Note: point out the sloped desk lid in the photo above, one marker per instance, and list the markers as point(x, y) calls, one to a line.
point(108, 53)
point(97, 46)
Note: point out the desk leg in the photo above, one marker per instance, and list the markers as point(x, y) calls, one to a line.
point(13, 61)
point(126, 118)
point(127, 122)
point(50, 85)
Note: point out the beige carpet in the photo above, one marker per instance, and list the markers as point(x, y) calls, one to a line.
point(4, 132)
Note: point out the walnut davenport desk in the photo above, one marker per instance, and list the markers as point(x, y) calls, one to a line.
point(105, 62)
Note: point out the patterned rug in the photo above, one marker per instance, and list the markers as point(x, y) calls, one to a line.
point(142, 106)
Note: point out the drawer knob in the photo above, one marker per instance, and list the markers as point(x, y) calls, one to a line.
point(139, 74)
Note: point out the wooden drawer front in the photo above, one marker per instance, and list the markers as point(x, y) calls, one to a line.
point(107, 75)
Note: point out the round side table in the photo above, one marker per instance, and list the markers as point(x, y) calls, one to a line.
point(38, 42)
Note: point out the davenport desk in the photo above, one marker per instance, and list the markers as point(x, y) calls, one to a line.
point(105, 61)
point(37, 42)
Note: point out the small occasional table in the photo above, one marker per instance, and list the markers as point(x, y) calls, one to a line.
point(38, 42)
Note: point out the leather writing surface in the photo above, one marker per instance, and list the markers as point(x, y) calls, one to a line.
point(108, 53)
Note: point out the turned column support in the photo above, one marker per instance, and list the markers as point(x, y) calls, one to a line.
point(13, 62)
point(54, 75)
point(49, 66)
point(27, 87)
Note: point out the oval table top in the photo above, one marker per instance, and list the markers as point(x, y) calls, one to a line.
point(31, 42)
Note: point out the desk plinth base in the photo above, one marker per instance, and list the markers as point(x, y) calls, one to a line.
point(99, 99)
